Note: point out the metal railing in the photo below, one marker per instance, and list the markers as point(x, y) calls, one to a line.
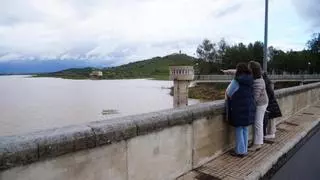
point(292, 77)
point(213, 77)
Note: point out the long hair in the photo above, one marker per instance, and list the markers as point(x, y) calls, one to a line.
point(255, 68)
point(242, 69)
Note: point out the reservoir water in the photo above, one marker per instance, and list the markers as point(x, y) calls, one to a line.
point(30, 104)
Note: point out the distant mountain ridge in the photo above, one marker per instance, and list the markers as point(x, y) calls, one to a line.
point(157, 68)
point(44, 66)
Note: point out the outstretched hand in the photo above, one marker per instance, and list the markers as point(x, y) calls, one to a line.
point(228, 71)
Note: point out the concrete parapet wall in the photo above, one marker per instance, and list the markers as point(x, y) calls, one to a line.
point(159, 145)
point(292, 100)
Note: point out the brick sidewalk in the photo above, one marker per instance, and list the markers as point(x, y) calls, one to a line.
point(255, 165)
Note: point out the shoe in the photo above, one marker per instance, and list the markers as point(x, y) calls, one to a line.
point(270, 136)
point(255, 147)
point(269, 141)
point(232, 153)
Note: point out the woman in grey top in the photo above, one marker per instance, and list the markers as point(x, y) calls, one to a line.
point(261, 100)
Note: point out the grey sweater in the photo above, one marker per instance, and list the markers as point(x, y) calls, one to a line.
point(260, 93)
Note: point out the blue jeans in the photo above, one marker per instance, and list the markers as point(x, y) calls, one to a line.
point(241, 140)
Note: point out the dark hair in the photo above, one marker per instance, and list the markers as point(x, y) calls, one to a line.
point(255, 69)
point(242, 69)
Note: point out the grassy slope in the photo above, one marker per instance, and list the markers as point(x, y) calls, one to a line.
point(157, 68)
point(74, 73)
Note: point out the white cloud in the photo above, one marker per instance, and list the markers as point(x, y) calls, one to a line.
point(130, 30)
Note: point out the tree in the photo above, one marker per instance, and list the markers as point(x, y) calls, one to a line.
point(314, 43)
point(314, 50)
point(206, 51)
point(227, 56)
point(222, 48)
point(257, 52)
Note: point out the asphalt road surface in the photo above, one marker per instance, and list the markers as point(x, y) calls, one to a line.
point(305, 164)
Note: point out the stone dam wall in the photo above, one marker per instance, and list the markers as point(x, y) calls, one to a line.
point(160, 145)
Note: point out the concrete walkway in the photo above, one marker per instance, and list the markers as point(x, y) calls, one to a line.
point(291, 135)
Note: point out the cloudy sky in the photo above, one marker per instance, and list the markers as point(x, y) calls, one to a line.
point(127, 30)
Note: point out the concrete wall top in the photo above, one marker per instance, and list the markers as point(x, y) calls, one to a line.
point(27, 148)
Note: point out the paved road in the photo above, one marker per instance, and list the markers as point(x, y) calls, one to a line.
point(305, 164)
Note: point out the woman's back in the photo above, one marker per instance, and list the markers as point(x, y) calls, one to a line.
point(242, 105)
point(260, 93)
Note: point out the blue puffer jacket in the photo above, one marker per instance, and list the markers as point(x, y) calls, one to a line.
point(241, 105)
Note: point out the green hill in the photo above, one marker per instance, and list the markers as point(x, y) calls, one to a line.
point(157, 68)
point(74, 73)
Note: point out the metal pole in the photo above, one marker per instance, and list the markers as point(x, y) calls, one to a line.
point(265, 53)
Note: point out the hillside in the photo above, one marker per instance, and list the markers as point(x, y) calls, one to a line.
point(157, 68)
point(73, 73)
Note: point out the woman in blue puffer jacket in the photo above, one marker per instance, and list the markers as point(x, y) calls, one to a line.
point(241, 107)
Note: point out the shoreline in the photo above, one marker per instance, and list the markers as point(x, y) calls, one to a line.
point(216, 91)
point(158, 78)
point(204, 92)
